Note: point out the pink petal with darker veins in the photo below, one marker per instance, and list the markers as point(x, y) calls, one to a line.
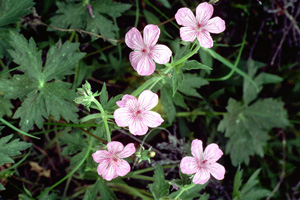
point(205, 39)
point(188, 34)
point(151, 34)
point(124, 100)
point(146, 66)
point(212, 153)
point(185, 17)
point(134, 58)
point(110, 173)
point(122, 168)
point(189, 165)
point(123, 117)
point(147, 100)
point(152, 119)
point(215, 25)
point(128, 150)
point(161, 54)
point(204, 12)
point(134, 40)
point(138, 127)
point(115, 147)
point(100, 155)
point(201, 177)
point(216, 170)
point(197, 149)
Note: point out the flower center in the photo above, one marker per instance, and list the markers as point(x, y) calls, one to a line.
point(137, 113)
point(198, 27)
point(146, 50)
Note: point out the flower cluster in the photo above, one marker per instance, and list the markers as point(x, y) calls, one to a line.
point(136, 113)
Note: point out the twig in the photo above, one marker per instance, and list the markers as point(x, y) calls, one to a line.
point(283, 166)
point(256, 38)
point(79, 31)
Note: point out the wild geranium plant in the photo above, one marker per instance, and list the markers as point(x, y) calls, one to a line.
point(141, 135)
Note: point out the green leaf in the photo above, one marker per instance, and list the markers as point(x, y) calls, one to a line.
point(5, 107)
point(206, 58)
point(54, 99)
point(189, 194)
point(2, 187)
point(193, 64)
point(177, 79)
point(103, 95)
point(167, 103)
point(26, 55)
point(179, 101)
point(250, 190)
point(105, 191)
point(111, 8)
point(160, 186)
point(42, 98)
point(9, 149)
point(249, 126)
point(11, 11)
point(73, 141)
point(165, 3)
point(269, 78)
point(190, 83)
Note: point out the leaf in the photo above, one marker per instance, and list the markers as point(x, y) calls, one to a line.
point(177, 80)
point(190, 194)
point(250, 190)
point(190, 83)
point(249, 126)
point(269, 78)
point(12, 10)
point(165, 3)
point(12, 148)
point(42, 98)
point(103, 95)
point(193, 64)
point(5, 107)
point(160, 186)
point(73, 141)
point(111, 8)
point(167, 103)
point(105, 191)
point(53, 99)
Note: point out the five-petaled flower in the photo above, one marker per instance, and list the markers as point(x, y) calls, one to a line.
point(200, 26)
point(202, 164)
point(136, 114)
point(111, 163)
point(146, 50)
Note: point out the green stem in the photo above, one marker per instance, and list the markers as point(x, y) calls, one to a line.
point(144, 86)
point(18, 163)
point(16, 129)
point(186, 114)
point(137, 13)
point(131, 190)
point(236, 61)
point(71, 173)
point(104, 117)
point(184, 189)
point(183, 59)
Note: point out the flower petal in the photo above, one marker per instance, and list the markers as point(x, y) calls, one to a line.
point(205, 39)
point(201, 177)
point(212, 153)
point(123, 116)
point(147, 100)
point(137, 127)
point(151, 34)
point(197, 149)
point(115, 147)
point(185, 17)
point(134, 40)
point(146, 66)
point(128, 150)
point(215, 25)
point(123, 167)
point(102, 167)
point(134, 58)
point(204, 12)
point(188, 165)
point(161, 54)
point(216, 170)
point(152, 119)
point(110, 173)
point(100, 155)
point(124, 100)
point(188, 34)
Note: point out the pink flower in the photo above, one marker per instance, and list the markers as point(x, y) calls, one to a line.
point(203, 164)
point(111, 163)
point(146, 50)
point(136, 114)
point(199, 26)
